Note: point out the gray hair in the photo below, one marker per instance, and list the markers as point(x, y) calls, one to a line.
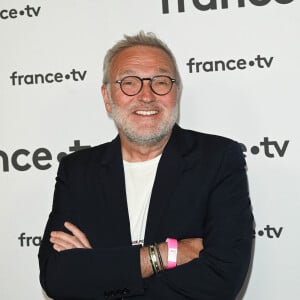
point(140, 39)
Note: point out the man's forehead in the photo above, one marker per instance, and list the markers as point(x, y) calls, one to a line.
point(128, 72)
point(129, 60)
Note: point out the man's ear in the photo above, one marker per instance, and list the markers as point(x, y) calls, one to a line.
point(105, 95)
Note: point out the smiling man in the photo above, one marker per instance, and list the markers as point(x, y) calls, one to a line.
point(158, 213)
point(143, 102)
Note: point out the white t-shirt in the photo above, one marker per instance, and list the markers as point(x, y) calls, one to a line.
point(139, 180)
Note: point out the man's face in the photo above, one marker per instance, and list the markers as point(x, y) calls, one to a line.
point(145, 118)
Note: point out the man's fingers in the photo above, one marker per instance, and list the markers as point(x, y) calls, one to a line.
point(73, 228)
point(58, 248)
point(65, 240)
point(78, 234)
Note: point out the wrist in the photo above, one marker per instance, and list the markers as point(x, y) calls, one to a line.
point(146, 268)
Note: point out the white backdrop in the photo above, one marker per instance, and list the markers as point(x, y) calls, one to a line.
point(240, 68)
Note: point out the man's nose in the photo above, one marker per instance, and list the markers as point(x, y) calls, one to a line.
point(146, 94)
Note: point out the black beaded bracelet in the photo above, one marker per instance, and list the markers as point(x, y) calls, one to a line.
point(159, 257)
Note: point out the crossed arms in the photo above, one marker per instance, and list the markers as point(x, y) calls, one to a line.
point(188, 249)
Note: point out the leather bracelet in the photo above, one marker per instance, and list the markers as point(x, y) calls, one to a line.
point(172, 252)
point(153, 259)
point(159, 257)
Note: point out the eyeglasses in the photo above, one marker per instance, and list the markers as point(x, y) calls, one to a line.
point(160, 85)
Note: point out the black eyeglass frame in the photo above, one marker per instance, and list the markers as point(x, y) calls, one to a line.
point(150, 84)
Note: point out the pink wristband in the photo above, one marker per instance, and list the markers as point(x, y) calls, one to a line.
point(172, 252)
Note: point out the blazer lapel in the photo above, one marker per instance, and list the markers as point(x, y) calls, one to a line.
point(168, 174)
point(113, 186)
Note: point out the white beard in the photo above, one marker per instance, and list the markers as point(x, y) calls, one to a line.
point(147, 137)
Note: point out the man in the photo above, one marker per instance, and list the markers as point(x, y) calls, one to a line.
point(115, 205)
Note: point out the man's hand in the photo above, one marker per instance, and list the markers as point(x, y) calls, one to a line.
point(188, 249)
point(64, 241)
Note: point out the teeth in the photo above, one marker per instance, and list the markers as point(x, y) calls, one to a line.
point(146, 112)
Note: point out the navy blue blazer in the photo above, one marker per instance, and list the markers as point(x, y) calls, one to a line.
point(200, 190)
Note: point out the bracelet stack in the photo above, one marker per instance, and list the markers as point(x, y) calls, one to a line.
point(156, 259)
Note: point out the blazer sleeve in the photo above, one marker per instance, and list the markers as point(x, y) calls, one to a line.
point(221, 268)
point(84, 273)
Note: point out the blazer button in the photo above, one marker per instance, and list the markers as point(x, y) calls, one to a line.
point(125, 291)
